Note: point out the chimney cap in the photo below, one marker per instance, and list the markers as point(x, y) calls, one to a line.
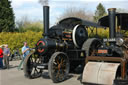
point(111, 9)
point(46, 6)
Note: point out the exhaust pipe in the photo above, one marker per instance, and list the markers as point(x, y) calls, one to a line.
point(46, 20)
point(112, 17)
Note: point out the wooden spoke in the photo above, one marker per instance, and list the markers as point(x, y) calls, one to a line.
point(58, 67)
point(30, 66)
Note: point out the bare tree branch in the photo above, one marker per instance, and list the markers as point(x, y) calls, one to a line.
point(76, 12)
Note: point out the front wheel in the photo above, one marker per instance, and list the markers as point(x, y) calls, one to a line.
point(58, 67)
point(30, 66)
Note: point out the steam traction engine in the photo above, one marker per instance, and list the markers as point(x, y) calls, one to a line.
point(60, 51)
point(106, 61)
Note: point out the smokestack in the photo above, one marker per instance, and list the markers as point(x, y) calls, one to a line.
point(112, 17)
point(112, 32)
point(46, 20)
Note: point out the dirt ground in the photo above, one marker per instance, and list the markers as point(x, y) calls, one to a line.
point(13, 76)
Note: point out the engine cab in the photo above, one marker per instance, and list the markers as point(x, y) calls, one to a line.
point(106, 63)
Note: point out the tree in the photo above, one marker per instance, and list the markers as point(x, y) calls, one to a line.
point(25, 24)
point(100, 12)
point(20, 24)
point(76, 12)
point(7, 23)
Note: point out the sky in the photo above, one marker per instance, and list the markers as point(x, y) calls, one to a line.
point(33, 9)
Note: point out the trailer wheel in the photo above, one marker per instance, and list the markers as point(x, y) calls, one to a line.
point(58, 67)
point(91, 45)
point(30, 66)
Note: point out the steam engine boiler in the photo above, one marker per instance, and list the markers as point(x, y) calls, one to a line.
point(60, 50)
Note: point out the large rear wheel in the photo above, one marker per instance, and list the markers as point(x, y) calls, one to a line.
point(91, 46)
point(30, 66)
point(58, 67)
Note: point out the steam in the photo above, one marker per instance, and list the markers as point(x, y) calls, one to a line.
point(44, 2)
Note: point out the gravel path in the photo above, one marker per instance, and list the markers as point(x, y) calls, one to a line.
point(13, 76)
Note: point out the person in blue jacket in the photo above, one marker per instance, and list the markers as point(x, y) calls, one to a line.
point(25, 52)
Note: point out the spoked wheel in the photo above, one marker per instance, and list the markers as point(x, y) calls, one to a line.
point(30, 66)
point(58, 67)
point(91, 46)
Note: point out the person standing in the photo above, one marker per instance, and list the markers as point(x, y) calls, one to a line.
point(25, 52)
point(6, 56)
point(1, 58)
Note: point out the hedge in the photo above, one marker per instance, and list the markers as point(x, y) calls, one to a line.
point(15, 40)
point(101, 32)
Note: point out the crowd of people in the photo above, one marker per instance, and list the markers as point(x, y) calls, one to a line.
point(5, 53)
point(4, 56)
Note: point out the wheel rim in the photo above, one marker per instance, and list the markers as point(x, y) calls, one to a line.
point(93, 48)
point(32, 63)
point(59, 67)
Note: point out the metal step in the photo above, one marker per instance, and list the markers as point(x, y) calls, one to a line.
point(43, 66)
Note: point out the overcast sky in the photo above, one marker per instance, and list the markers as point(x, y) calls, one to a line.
point(33, 10)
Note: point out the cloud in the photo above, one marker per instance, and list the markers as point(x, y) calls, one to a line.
point(33, 9)
point(19, 3)
point(118, 4)
point(32, 13)
point(85, 0)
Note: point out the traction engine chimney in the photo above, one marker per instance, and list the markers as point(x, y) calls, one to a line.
point(46, 20)
point(112, 31)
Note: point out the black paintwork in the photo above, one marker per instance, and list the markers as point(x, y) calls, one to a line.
point(122, 21)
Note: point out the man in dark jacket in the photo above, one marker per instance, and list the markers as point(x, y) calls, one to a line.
point(6, 56)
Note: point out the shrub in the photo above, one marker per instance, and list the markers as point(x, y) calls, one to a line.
point(102, 33)
point(15, 40)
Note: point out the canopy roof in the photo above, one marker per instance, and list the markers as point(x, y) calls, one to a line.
point(122, 21)
point(75, 21)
